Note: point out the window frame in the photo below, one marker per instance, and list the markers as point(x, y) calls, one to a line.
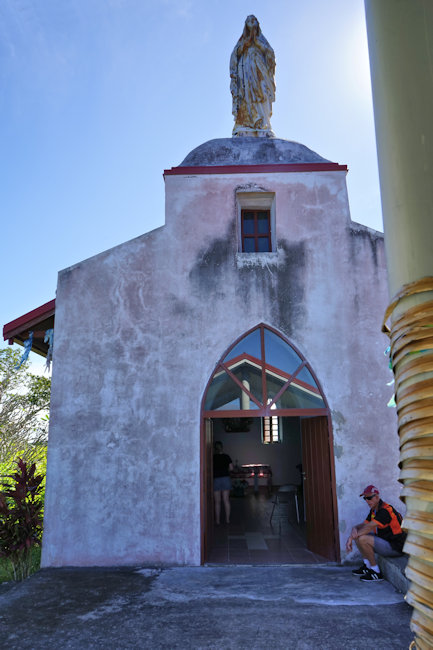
point(256, 202)
point(256, 235)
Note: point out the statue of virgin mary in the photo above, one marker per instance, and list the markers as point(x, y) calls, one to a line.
point(252, 69)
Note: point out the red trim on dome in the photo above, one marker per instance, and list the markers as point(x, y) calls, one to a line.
point(256, 169)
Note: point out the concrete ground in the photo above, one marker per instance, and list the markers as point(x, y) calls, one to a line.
point(292, 607)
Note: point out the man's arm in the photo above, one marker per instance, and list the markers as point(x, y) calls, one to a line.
point(358, 530)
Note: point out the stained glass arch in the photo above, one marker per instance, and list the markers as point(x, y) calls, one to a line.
point(260, 372)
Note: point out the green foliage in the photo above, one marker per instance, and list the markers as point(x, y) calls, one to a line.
point(6, 566)
point(36, 453)
point(21, 516)
point(24, 404)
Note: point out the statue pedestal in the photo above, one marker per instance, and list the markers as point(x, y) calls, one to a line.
point(240, 131)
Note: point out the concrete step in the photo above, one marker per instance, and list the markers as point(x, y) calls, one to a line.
point(393, 568)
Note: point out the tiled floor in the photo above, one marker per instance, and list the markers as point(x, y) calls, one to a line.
point(251, 538)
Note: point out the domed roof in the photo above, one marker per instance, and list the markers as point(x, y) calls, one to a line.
point(250, 151)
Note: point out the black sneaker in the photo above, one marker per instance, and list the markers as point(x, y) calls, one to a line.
point(361, 571)
point(372, 576)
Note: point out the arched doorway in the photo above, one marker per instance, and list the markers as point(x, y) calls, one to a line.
point(263, 378)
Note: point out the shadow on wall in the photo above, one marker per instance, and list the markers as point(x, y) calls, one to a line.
point(284, 284)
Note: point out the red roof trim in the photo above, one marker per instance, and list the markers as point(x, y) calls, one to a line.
point(28, 320)
point(257, 169)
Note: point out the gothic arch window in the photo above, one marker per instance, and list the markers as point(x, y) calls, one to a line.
point(263, 374)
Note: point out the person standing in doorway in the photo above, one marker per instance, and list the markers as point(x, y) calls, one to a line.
point(380, 534)
point(222, 466)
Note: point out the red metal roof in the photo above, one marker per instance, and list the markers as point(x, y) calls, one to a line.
point(38, 320)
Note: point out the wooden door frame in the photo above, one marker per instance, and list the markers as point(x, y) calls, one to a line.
point(333, 489)
point(261, 412)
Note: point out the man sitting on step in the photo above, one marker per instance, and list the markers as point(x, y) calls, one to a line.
point(380, 533)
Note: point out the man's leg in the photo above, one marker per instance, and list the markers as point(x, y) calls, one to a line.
point(384, 548)
point(365, 544)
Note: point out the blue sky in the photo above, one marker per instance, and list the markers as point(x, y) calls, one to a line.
point(98, 97)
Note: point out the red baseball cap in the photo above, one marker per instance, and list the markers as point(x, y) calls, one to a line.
point(369, 491)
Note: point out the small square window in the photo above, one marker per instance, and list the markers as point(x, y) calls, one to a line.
point(256, 231)
point(271, 430)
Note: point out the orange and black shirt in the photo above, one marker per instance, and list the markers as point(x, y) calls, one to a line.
point(388, 525)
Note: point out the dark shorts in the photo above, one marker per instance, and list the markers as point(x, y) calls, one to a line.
point(384, 548)
point(222, 483)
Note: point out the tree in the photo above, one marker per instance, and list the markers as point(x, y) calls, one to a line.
point(24, 404)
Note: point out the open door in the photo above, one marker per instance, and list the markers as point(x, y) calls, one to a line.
point(318, 487)
point(208, 492)
point(262, 375)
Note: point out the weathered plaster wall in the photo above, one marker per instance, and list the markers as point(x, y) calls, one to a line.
point(140, 328)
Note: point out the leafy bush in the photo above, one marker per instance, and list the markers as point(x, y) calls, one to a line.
point(24, 405)
point(31, 453)
point(6, 569)
point(21, 516)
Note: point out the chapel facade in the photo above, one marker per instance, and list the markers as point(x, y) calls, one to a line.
point(253, 317)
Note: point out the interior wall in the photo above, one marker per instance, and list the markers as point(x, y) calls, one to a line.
point(247, 447)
